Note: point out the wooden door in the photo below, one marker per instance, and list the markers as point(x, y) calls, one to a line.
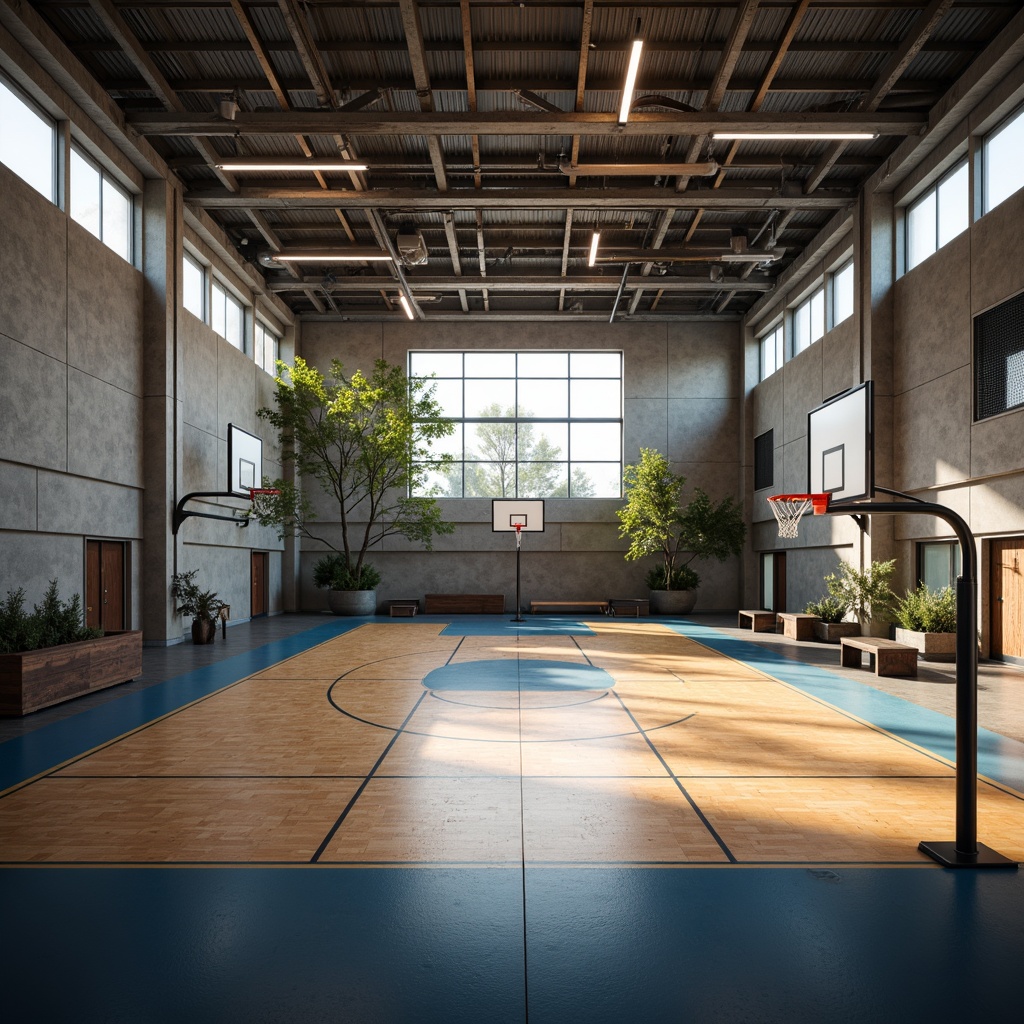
point(773, 581)
point(258, 605)
point(1006, 576)
point(104, 584)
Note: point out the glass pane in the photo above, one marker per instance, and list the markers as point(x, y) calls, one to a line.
point(440, 484)
point(595, 364)
point(444, 364)
point(1004, 169)
point(450, 445)
point(768, 582)
point(597, 441)
point(85, 193)
point(802, 327)
point(217, 310)
point(490, 480)
point(842, 294)
point(490, 364)
point(233, 321)
point(767, 356)
point(491, 442)
point(953, 205)
point(117, 219)
point(491, 398)
point(544, 398)
point(1015, 379)
point(192, 287)
point(543, 480)
point(921, 230)
point(448, 393)
point(937, 565)
point(595, 480)
point(543, 364)
point(589, 398)
point(543, 441)
point(27, 142)
point(818, 314)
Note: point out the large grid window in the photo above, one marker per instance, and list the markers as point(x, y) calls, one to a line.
point(227, 316)
point(771, 351)
point(28, 142)
point(999, 359)
point(842, 293)
point(938, 216)
point(193, 286)
point(1002, 167)
point(100, 206)
point(527, 424)
point(266, 348)
point(809, 320)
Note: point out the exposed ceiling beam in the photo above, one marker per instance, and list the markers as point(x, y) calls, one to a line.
point(329, 122)
point(467, 51)
point(414, 41)
point(590, 283)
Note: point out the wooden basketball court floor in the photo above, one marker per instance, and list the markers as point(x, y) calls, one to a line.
point(468, 821)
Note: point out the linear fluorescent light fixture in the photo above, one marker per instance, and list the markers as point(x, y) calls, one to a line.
point(330, 255)
point(794, 136)
point(406, 307)
point(631, 73)
point(281, 164)
point(592, 258)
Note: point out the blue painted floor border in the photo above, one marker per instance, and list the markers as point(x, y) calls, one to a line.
point(999, 758)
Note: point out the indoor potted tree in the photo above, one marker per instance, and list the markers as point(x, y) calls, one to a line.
point(866, 593)
point(657, 522)
point(926, 619)
point(366, 442)
point(202, 605)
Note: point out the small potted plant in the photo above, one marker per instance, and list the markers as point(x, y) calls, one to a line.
point(831, 611)
point(656, 521)
point(926, 619)
point(866, 593)
point(203, 605)
point(346, 590)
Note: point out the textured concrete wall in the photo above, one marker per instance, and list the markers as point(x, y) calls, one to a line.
point(71, 394)
point(681, 392)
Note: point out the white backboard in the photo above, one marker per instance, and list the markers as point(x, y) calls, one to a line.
point(840, 445)
point(507, 512)
point(245, 460)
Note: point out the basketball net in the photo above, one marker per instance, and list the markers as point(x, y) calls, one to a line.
point(519, 536)
point(790, 508)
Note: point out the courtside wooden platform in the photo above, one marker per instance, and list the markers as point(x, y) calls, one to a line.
point(464, 604)
point(890, 658)
point(535, 606)
point(798, 625)
point(761, 621)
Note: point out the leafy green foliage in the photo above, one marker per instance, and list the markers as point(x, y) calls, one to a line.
point(683, 578)
point(928, 611)
point(865, 593)
point(366, 442)
point(656, 522)
point(332, 573)
point(50, 624)
point(192, 601)
point(828, 609)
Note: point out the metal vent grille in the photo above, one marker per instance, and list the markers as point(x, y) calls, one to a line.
point(999, 359)
point(764, 460)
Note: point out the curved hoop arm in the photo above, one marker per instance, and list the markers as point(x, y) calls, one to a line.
point(181, 514)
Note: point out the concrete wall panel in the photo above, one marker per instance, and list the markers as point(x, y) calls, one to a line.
point(17, 497)
point(201, 468)
point(104, 337)
point(704, 360)
point(645, 426)
point(236, 389)
point(31, 560)
point(931, 432)
point(996, 444)
point(802, 384)
point(996, 271)
point(104, 430)
point(199, 391)
point(703, 430)
point(997, 506)
point(33, 268)
point(74, 505)
point(33, 397)
point(646, 365)
point(840, 358)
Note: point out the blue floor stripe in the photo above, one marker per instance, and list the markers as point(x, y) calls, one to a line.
point(999, 758)
point(42, 749)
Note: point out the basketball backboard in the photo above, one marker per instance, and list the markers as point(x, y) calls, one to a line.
point(245, 461)
point(526, 513)
point(840, 445)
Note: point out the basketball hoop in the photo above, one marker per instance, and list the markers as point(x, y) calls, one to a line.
point(519, 535)
point(790, 508)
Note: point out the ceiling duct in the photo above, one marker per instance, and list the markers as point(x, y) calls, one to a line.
point(693, 255)
point(412, 247)
point(698, 170)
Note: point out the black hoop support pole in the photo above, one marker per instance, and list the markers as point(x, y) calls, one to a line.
point(519, 551)
point(180, 514)
point(965, 851)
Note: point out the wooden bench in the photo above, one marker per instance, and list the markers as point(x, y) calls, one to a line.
point(403, 607)
point(761, 621)
point(535, 605)
point(630, 606)
point(464, 604)
point(798, 625)
point(890, 658)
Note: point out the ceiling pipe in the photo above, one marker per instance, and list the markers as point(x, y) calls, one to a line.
point(699, 170)
point(694, 255)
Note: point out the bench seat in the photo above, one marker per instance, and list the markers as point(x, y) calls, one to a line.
point(464, 604)
point(535, 605)
point(798, 625)
point(761, 621)
point(890, 658)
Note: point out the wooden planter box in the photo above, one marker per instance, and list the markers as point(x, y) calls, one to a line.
point(37, 679)
point(833, 632)
point(930, 646)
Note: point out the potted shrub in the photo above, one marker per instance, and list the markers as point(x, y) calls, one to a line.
point(202, 605)
point(48, 655)
point(366, 442)
point(657, 522)
point(831, 612)
point(926, 619)
point(866, 593)
point(345, 593)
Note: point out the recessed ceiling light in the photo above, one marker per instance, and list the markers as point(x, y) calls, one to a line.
point(329, 255)
point(794, 136)
point(631, 73)
point(407, 307)
point(593, 248)
point(279, 164)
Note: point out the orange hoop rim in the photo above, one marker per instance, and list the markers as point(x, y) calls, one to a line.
point(253, 491)
point(819, 502)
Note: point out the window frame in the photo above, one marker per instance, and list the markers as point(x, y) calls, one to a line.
point(219, 288)
point(814, 319)
point(953, 555)
point(845, 268)
point(774, 337)
point(260, 332)
point(465, 423)
point(933, 194)
point(986, 205)
point(204, 291)
point(104, 179)
point(54, 192)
